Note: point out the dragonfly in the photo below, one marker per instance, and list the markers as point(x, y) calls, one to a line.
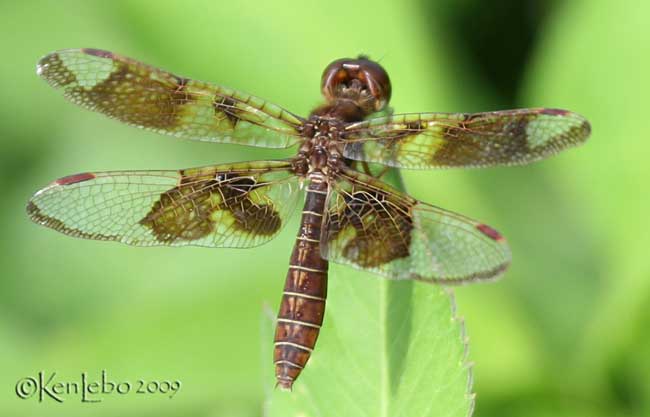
point(350, 216)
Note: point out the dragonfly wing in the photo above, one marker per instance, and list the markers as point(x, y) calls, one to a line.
point(373, 227)
point(147, 97)
point(236, 205)
point(444, 140)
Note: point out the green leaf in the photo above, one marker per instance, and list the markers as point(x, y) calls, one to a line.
point(387, 348)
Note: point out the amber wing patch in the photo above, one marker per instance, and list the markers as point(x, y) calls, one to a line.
point(204, 201)
point(144, 96)
point(370, 229)
point(374, 227)
point(235, 205)
point(441, 140)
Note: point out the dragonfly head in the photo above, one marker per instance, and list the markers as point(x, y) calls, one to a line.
point(361, 80)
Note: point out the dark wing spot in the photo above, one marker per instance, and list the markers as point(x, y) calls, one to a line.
point(181, 82)
point(383, 233)
point(416, 127)
point(135, 98)
point(251, 217)
point(239, 187)
point(517, 129)
point(226, 106)
point(185, 212)
point(182, 213)
point(468, 117)
point(260, 219)
point(465, 143)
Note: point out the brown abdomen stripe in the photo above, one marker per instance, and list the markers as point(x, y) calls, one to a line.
point(303, 302)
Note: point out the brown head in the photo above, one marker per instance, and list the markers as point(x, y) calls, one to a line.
point(359, 80)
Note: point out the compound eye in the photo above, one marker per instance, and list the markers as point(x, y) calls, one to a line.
point(368, 74)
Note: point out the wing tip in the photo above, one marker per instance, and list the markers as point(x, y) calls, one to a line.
point(49, 66)
point(44, 63)
point(580, 129)
point(585, 128)
point(581, 122)
point(32, 211)
point(61, 182)
point(52, 69)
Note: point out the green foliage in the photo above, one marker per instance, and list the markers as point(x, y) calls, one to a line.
point(388, 348)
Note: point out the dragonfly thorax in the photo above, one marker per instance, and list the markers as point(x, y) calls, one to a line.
point(321, 150)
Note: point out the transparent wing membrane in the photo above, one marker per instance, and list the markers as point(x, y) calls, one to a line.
point(236, 205)
point(374, 227)
point(147, 97)
point(443, 140)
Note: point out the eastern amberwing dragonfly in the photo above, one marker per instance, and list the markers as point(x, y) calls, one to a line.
point(349, 216)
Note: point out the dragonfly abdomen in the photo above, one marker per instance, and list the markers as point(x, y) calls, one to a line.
point(303, 302)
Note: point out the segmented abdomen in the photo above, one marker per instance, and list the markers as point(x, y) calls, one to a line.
point(303, 302)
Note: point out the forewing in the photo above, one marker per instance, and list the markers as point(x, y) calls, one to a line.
point(150, 98)
point(373, 227)
point(443, 140)
point(237, 205)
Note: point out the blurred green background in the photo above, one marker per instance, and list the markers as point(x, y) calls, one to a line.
point(565, 333)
